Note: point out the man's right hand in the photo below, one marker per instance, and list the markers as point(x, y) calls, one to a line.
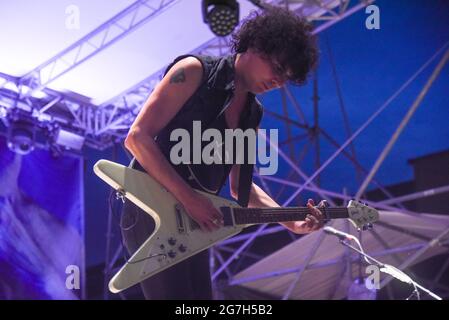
point(201, 209)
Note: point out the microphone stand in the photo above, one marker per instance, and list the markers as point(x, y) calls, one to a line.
point(394, 272)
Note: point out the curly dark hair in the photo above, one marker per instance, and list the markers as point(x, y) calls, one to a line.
point(282, 37)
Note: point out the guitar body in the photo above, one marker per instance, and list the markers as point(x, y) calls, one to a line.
point(176, 236)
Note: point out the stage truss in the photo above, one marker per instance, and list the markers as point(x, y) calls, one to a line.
point(106, 125)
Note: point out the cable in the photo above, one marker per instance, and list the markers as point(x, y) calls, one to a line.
point(117, 218)
point(146, 258)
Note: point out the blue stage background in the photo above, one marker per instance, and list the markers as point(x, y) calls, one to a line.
point(41, 224)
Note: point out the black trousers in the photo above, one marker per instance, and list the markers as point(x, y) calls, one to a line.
point(187, 280)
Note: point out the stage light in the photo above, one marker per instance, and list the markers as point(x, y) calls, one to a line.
point(69, 139)
point(222, 16)
point(38, 94)
point(21, 135)
point(11, 86)
point(26, 90)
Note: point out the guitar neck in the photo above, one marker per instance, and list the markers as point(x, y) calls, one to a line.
point(268, 215)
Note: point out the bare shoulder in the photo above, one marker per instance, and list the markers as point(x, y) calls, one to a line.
point(168, 97)
point(186, 71)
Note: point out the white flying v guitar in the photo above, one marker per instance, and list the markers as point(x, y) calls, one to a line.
point(177, 236)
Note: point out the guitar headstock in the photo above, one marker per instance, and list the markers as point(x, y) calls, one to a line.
point(361, 215)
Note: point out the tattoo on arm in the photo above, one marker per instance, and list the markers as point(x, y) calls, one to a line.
point(178, 77)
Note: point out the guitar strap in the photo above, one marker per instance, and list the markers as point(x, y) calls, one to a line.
point(246, 169)
point(245, 181)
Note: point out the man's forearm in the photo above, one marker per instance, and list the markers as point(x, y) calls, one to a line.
point(260, 199)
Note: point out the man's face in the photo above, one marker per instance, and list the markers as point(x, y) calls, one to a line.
point(260, 73)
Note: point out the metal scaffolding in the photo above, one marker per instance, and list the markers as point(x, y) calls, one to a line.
point(107, 125)
point(227, 268)
point(247, 239)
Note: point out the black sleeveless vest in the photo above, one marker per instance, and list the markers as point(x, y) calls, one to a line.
point(207, 105)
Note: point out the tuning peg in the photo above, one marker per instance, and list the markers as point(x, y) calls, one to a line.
point(323, 203)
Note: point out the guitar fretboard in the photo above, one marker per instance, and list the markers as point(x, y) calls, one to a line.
point(267, 215)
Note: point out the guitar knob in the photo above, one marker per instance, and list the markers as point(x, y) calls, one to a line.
point(182, 248)
point(171, 241)
point(171, 254)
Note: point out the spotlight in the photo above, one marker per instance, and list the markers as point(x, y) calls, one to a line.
point(222, 16)
point(21, 136)
point(69, 140)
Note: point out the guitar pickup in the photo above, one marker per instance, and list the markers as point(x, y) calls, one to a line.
point(179, 219)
